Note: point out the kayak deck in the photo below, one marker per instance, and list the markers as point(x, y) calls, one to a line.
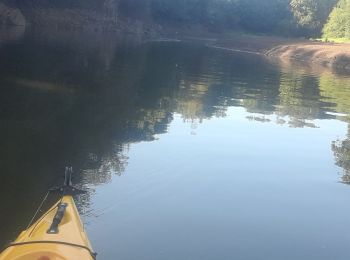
point(39, 242)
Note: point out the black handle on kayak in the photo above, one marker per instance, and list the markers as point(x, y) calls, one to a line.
point(61, 209)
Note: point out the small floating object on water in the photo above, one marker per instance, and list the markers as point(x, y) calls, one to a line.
point(58, 234)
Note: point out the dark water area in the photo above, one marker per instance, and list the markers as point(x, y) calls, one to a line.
point(188, 152)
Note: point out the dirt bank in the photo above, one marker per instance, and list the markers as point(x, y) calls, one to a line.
point(331, 55)
point(335, 56)
point(251, 43)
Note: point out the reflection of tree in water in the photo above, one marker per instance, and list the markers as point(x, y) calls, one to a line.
point(341, 150)
point(100, 170)
point(149, 123)
point(336, 91)
point(190, 100)
point(261, 119)
point(330, 100)
point(84, 103)
point(298, 99)
point(113, 162)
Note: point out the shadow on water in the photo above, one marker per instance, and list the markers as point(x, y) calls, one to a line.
point(82, 100)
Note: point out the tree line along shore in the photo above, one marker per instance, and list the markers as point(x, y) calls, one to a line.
point(325, 20)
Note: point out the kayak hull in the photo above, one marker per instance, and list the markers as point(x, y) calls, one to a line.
point(36, 243)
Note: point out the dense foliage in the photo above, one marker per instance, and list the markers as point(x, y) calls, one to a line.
point(287, 17)
point(311, 15)
point(338, 25)
point(269, 16)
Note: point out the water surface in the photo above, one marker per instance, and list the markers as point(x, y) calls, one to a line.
point(187, 152)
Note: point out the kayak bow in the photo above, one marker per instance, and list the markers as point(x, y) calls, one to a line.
point(58, 235)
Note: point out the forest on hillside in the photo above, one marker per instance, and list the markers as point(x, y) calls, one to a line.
point(309, 18)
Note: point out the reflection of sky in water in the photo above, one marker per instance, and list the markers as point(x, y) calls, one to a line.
point(238, 188)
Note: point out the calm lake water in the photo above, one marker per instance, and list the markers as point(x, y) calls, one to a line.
point(188, 152)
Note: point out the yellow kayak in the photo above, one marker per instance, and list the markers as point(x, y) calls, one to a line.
point(58, 235)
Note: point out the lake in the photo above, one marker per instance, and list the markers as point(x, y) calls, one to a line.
point(187, 151)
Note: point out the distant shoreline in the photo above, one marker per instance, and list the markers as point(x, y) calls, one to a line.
point(329, 55)
point(335, 56)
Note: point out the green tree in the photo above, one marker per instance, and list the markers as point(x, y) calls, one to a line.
point(338, 25)
point(282, 17)
point(310, 15)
